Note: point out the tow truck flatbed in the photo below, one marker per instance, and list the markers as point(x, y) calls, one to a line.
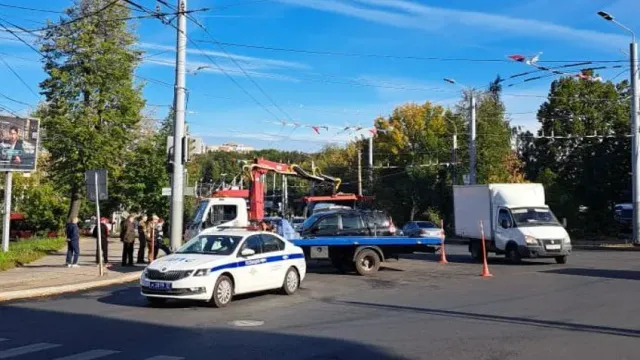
point(365, 240)
point(364, 254)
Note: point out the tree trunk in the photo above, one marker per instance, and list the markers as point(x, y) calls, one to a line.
point(76, 201)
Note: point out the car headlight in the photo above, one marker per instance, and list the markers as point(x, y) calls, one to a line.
point(566, 241)
point(202, 272)
point(530, 240)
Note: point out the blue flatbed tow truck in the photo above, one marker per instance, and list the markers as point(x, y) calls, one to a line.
point(364, 254)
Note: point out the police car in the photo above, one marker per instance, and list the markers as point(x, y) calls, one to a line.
point(218, 264)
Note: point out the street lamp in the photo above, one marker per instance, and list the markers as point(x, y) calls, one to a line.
point(635, 159)
point(472, 131)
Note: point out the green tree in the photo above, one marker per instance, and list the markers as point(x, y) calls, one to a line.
point(92, 103)
point(587, 164)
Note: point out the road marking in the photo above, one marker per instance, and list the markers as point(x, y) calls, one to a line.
point(3, 339)
point(164, 357)
point(89, 355)
point(246, 323)
point(26, 350)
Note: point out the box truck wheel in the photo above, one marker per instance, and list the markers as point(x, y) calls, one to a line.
point(561, 259)
point(512, 253)
point(475, 248)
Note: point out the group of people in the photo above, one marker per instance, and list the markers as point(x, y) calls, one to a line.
point(148, 232)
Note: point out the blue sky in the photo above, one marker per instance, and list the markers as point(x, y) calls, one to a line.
point(334, 90)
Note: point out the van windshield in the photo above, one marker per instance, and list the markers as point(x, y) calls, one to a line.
point(534, 217)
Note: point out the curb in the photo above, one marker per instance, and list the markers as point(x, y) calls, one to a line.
point(57, 290)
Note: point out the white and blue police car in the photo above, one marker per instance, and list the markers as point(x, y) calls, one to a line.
point(218, 264)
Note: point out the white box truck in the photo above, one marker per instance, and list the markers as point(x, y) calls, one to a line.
point(516, 221)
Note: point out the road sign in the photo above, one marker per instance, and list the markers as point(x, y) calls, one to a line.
point(101, 188)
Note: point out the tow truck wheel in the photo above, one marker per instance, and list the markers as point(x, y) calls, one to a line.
point(291, 282)
point(367, 262)
point(222, 292)
point(561, 259)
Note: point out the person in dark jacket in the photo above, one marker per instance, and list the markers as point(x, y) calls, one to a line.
point(104, 239)
point(142, 238)
point(129, 240)
point(73, 242)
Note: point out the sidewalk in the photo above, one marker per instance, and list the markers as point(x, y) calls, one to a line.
point(49, 275)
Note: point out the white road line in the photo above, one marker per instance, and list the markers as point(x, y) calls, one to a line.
point(3, 339)
point(89, 355)
point(5, 354)
point(163, 357)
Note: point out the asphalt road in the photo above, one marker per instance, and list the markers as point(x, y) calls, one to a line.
point(414, 309)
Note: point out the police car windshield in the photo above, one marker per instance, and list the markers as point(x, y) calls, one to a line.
point(211, 245)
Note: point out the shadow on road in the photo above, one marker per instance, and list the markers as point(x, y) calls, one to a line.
point(599, 273)
point(130, 297)
point(141, 338)
point(549, 324)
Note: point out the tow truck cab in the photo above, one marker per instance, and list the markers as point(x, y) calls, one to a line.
point(220, 211)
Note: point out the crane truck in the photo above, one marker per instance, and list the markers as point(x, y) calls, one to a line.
point(241, 208)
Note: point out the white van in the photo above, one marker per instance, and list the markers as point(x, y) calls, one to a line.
point(516, 220)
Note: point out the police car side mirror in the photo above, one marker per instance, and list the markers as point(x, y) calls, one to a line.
point(247, 252)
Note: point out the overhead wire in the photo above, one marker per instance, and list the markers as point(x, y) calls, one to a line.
point(19, 77)
point(387, 56)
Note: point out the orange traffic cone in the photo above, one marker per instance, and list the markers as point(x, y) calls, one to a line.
point(443, 255)
point(485, 266)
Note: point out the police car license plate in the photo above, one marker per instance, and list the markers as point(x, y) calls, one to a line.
point(159, 285)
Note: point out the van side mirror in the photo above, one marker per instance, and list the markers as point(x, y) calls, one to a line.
point(505, 223)
point(247, 252)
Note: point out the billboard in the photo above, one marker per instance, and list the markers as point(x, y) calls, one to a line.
point(19, 140)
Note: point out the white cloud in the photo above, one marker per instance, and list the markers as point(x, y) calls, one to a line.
point(196, 67)
point(408, 14)
point(256, 62)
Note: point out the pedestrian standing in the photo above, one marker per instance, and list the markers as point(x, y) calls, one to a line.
point(104, 242)
point(73, 242)
point(142, 238)
point(159, 238)
point(128, 242)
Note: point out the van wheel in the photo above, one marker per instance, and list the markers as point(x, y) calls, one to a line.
point(222, 292)
point(367, 262)
point(512, 254)
point(291, 282)
point(561, 259)
point(476, 251)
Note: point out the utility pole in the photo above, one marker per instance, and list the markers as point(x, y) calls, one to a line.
point(472, 140)
point(359, 172)
point(635, 108)
point(177, 191)
point(635, 163)
point(6, 223)
point(454, 158)
point(371, 164)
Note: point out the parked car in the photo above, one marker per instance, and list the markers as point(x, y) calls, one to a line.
point(349, 223)
point(421, 229)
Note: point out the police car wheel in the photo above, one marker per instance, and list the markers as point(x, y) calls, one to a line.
point(222, 292)
point(291, 282)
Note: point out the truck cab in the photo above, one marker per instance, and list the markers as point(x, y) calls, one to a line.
point(219, 211)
